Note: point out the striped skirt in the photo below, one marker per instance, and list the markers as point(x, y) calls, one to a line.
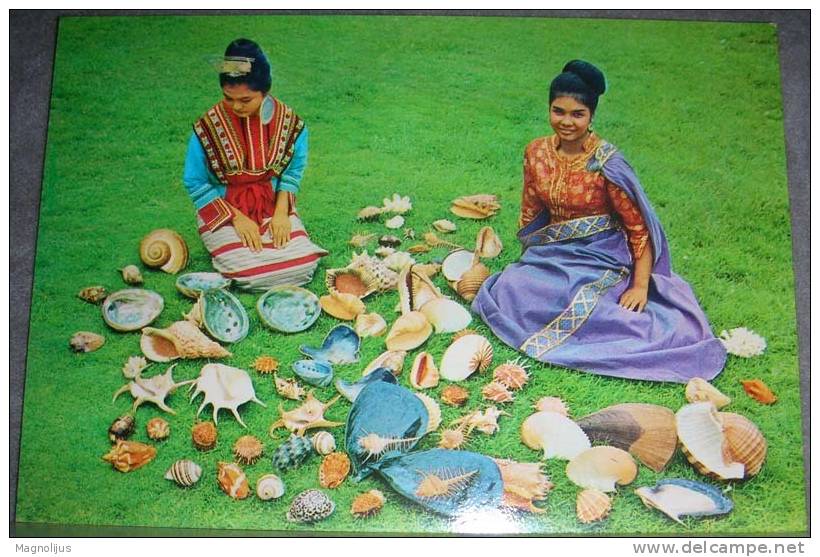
point(293, 264)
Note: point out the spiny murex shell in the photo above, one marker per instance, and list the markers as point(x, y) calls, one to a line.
point(465, 356)
point(154, 389)
point(555, 434)
point(232, 480)
point(224, 387)
point(592, 505)
point(184, 473)
point(181, 340)
point(512, 374)
point(85, 341)
point(130, 455)
point(678, 497)
point(310, 506)
point(703, 442)
point(165, 249)
point(269, 487)
point(131, 309)
point(524, 482)
point(602, 468)
point(310, 415)
point(700, 390)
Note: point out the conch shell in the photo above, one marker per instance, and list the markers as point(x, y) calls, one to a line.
point(424, 373)
point(311, 414)
point(130, 455)
point(524, 482)
point(165, 249)
point(131, 274)
point(181, 340)
point(342, 305)
point(478, 206)
point(487, 243)
point(408, 332)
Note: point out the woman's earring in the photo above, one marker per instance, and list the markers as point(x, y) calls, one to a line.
point(266, 112)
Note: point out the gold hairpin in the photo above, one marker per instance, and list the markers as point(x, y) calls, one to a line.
point(236, 66)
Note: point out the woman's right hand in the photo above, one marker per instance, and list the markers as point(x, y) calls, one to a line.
point(248, 231)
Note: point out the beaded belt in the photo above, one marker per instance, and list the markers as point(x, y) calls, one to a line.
point(571, 229)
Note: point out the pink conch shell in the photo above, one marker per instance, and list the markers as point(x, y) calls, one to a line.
point(424, 373)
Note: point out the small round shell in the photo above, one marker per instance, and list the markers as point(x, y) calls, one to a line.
point(552, 404)
point(323, 442)
point(184, 473)
point(93, 294)
point(247, 449)
point(454, 395)
point(204, 436)
point(85, 341)
point(367, 504)
point(157, 429)
point(131, 274)
point(122, 428)
point(444, 225)
point(334, 469)
point(310, 506)
point(592, 505)
point(266, 364)
point(165, 249)
point(269, 487)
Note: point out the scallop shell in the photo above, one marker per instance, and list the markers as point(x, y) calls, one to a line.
point(398, 260)
point(266, 364)
point(334, 469)
point(370, 325)
point(511, 374)
point(292, 453)
point(224, 387)
point(369, 213)
point(391, 359)
point(395, 222)
point(556, 435)
point(602, 468)
point(232, 480)
point(288, 388)
point(184, 473)
point(134, 366)
point(478, 206)
point(759, 391)
point(165, 249)
point(130, 455)
point(524, 482)
point(471, 281)
point(247, 449)
point(496, 392)
point(157, 429)
point(454, 395)
point(409, 331)
point(677, 497)
point(433, 411)
point(342, 306)
point(122, 428)
point(700, 390)
point(456, 264)
point(85, 341)
point(702, 440)
point(453, 438)
point(465, 356)
point(487, 243)
point(446, 316)
point(592, 505)
point(93, 294)
point(350, 281)
point(288, 309)
point(131, 274)
point(192, 285)
point(131, 309)
point(552, 404)
point(181, 340)
point(204, 436)
point(367, 504)
point(424, 373)
point(444, 225)
point(323, 443)
point(647, 431)
point(310, 506)
point(744, 442)
point(269, 487)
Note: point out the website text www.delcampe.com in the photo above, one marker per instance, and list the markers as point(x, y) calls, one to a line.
point(725, 548)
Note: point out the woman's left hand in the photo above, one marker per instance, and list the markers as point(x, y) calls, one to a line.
point(280, 230)
point(634, 299)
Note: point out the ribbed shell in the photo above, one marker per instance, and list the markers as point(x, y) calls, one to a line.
point(367, 504)
point(310, 506)
point(702, 441)
point(184, 473)
point(433, 411)
point(157, 429)
point(292, 453)
point(334, 469)
point(512, 375)
point(471, 281)
point(592, 505)
point(602, 468)
point(744, 441)
point(465, 356)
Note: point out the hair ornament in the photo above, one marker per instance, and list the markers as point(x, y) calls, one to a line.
point(234, 66)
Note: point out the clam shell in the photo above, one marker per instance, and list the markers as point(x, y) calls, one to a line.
point(232, 480)
point(370, 325)
point(224, 316)
point(367, 504)
point(444, 225)
point(85, 341)
point(181, 340)
point(456, 264)
point(350, 281)
point(454, 395)
point(471, 281)
point(700, 390)
point(702, 440)
point(157, 429)
point(678, 497)
point(446, 316)
point(556, 435)
point(310, 506)
point(194, 284)
point(341, 346)
point(409, 331)
point(433, 411)
point(93, 294)
point(390, 359)
point(247, 449)
point(288, 309)
point(487, 243)
point(394, 222)
point(744, 442)
point(184, 473)
point(334, 469)
point(131, 309)
point(130, 455)
point(342, 306)
point(204, 436)
point(351, 390)
point(424, 373)
point(465, 356)
point(165, 249)
point(602, 468)
point(314, 372)
point(323, 443)
point(269, 487)
point(592, 505)
point(759, 391)
point(647, 431)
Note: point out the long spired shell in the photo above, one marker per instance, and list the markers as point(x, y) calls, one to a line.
point(85, 341)
point(310, 415)
point(224, 387)
point(247, 449)
point(496, 392)
point(465, 356)
point(292, 453)
point(204, 436)
point(744, 441)
point(391, 359)
point(524, 482)
point(122, 428)
point(552, 404)
point(157, 429)
point(269, 487)
point(454, 395)
point(130, 455)
point(646, 430)
point(487, 243)
point(184, 473)
point(433, 411)
point(342, 306)
point(432, 240)
point(131, 309)
point(93, 294)
point(700, 390)
point(592, 505)
point(677, 498)
point(759, 391)
point(165, 249)
point(370, 325)
point(478, 206)
point(424, 373)
point(418, 248)
point(288, 388)
point(409, 331)
point(232, 480)
point(602, 468)
point(334, 469)
point(131, 274)
point(350, 281)
point(703, 442)
point(471, 281)
point(556, 435)
point(443, 485)
point(310, 506)
point(181, 340)
point(323, 442)
point(415, 289)
point(444, 225)
point(367, 504)
point(446, 316)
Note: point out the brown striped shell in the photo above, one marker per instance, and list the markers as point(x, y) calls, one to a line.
point(184, 473)
point(592, 505)
point(744, 442)
point(334, 469)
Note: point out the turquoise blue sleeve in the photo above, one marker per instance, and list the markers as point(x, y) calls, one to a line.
point(201, 185)
point(292, 176)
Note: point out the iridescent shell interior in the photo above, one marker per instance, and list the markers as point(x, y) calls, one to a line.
point(224, 316)
point(288, 309)
point(193, 284)
point(131, 309)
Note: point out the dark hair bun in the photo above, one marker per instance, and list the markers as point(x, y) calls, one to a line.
point(259, 79)
point(589, 74)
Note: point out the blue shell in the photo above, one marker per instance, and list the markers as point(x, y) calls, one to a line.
point(483, 489)
point(720, 503)
point(288, 309)
point(341, 346)
point(131, 309)
point(315, 372)
point(351, 390)
point(193, 284)
point(390, 412)
point(224, 316)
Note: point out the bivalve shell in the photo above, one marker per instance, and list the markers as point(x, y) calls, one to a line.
point(157, 429)
point(269, 487)
point(744, 442)
point(165, 249)
point(394, 222)
point(700, 390)
point(184, 473)
point(471, 281)
point(367, 504)
point(702, 441)
point(334, 469)
point(424, 373)
point(310, 506)
point(456, 264)
point(479, 206)
point(232, 480)
point(592, 505)
point(602, 468)
point(433, 411)
point(391, 359)
point(556, 435)
point(465, 356)
point(323, 443)
point(678, 497)
point(350, 281)
point(444, 225)
point(552, 404)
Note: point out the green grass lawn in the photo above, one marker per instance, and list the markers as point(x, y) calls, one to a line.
point(433, 108)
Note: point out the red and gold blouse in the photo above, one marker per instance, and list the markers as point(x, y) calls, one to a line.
point(563, 185)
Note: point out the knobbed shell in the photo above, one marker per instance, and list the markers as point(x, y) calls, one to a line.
point(269, 487)
point(166, 249)
point(184, 473)
point(131, 274)
point(511, 374)
point(232, 480)
point(592, 505)
point(310, 506)
point(367, 504)
point(181, 339)
point(700, 390)
point(157, 429)
point(93, 294)
point(334, 469)
point(130, 455)
point(454, 395)
point(134, 366)
point(323, 442)
point(288, 388)
point(85, 341)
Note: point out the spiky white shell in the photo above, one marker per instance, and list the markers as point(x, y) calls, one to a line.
point(743, 342)
point(224, 387)
point(397, 204)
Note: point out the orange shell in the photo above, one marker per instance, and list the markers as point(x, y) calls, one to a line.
point(511, 374)
point(454, 395)
point(158, 429)
point(247, 449)
point(758, 390)
point(204, 436)
point(424, 373)
point(744, 442)
point(367, 504)
point(592, 505)
point(496, 392)
point(130, 455)
point(232, 480)
point(266, 364)
point(334, 469)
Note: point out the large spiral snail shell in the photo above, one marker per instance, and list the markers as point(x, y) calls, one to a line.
point(165, 249)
